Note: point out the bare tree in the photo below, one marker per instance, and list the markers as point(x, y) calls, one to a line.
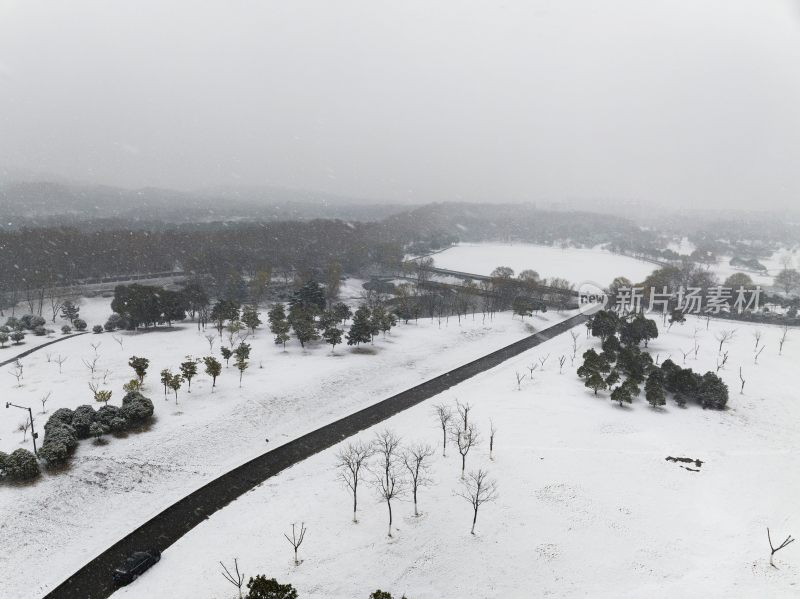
point(574, 336)
point(492, 433)
point(96, 346)
point(531, 369)
point(685, 353)
point(388, 480)
point(478, 489)
point(520, 378)
point(463, 412)
point(757, 337)
point(211, 338)
point(91, 365)
point(758, 353)
point(44, 399)
point(24, 426)
point(48, 356)
point(416, 460)
point(561, 362)
point(543, 360)
point(784, 334)
point(721, 363)
point(297, 539)
point(351, 459)
point(741, 378)
point(16, 372)
point(60, 361)
point(465, 440)
point(725, 336)
point(236, 578)
point(119, 340)
point(774, 550)
point(696, 349)
point(445, 415)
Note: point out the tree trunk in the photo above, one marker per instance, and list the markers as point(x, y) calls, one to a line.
point(355, 505)
point(474, 519)
point(389, 503)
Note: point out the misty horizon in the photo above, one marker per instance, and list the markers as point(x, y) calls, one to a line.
point(663, 104)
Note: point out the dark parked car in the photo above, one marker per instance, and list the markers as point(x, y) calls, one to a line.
point(135, 566)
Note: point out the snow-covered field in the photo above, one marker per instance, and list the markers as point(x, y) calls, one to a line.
point(576, 265)
point(588, 506)
point(52, 527)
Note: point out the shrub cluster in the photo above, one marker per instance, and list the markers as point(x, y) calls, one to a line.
point(19, 465)
point(66, 427)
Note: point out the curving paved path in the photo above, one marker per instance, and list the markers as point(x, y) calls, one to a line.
point(93, 581)
point(28, 352)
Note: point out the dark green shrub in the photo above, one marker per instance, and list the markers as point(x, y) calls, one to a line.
point(21, 464)
point(136, 407)
point(53, 452)
point(262, 587)
point(118, 424)
point(79, 324)
point(56, 432)
point(106, 414)
point(97, 329)
point(82, 419)
point(62, 415)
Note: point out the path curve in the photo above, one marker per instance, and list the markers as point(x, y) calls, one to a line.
point(93, 581)
point(28, 352)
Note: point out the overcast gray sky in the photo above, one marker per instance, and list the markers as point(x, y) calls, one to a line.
point(662, 101)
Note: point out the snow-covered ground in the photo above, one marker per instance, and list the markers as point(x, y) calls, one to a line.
point(588, 506)
point(775, 263)
point(576, 265)
point(52, 527)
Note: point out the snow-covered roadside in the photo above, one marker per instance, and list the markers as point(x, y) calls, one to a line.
point(63, 520)
point(588, 504)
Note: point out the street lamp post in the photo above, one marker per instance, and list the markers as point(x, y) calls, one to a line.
point(34, 434)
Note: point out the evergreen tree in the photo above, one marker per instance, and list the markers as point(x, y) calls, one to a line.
point(361, 329)
point(342, 312)
point(310, 297)
point(712, 392)
point(625, 392)
point(69, 311)
point(250, 317)
point(242, 351)
point(195, 296)
point(654, 389)
point(222, 311)
point(166, 375)
point(332, 335)
point(279, 325)
point(175, 382)
point(376, 320)
point(226, 355)
point(189, 370)
point(241, 366)
point(213, 369)
point(604, 324)
point(302, 322)
point(139, 366)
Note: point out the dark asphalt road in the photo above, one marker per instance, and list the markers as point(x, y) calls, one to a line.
point(93, 581)
point(28, 352)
